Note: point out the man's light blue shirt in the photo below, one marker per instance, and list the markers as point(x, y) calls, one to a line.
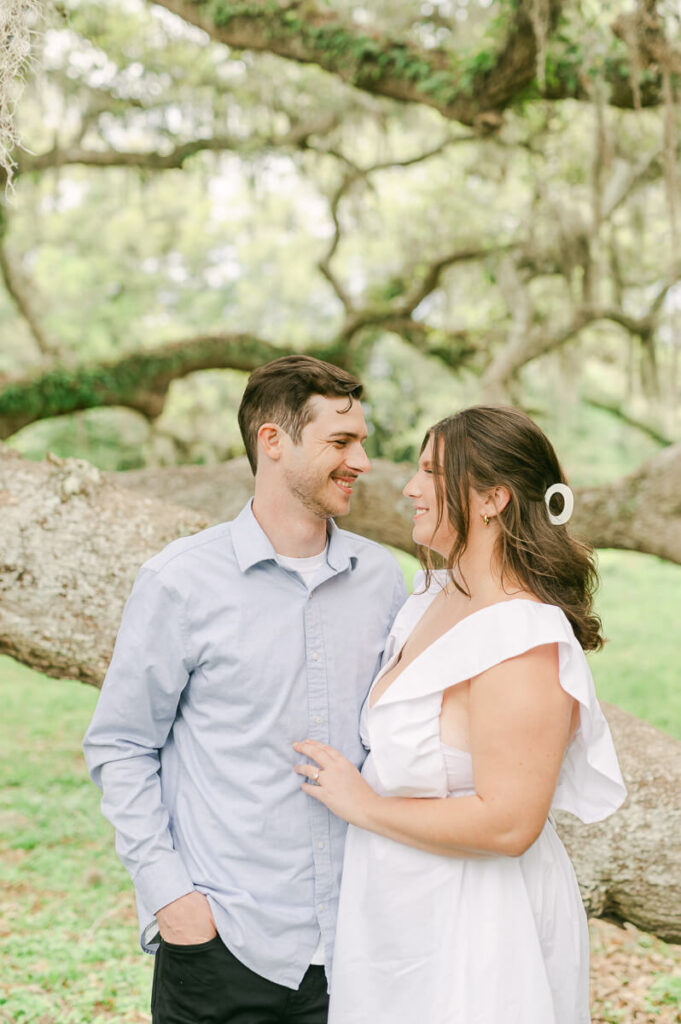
point(223, 659)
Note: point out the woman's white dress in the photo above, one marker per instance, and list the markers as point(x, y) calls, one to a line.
point(428, 939)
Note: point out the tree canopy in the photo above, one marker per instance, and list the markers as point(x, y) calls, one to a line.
point(467, 198)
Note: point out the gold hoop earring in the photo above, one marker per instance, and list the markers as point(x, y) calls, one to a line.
point(485, 520)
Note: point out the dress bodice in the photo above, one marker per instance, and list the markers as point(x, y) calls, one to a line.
point(402, 729)
point(458, 770)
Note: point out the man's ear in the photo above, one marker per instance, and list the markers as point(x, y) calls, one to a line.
point(270, 438)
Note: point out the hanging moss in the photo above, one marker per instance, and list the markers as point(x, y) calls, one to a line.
point(360, 57)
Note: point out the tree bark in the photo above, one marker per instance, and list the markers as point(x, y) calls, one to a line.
point(629, 866)
point(473, 91)
point(72, 542)
point(378, 511)
point(70, 547)
point(639, 512)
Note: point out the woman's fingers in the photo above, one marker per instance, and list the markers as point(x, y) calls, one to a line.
point(310, 770)
point(316, 751)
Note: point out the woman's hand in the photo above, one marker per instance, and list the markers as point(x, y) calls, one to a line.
point(337, 783)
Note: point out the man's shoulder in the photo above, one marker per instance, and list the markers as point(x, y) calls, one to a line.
point(176, 556)
point(363, 548)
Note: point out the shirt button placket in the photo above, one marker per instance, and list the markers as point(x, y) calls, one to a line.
point(318, 729)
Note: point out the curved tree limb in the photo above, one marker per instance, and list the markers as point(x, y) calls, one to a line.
point(72, 542)
point(639, 512)
point(472, 92)
point(297, 136)
point(14, 280)
point(619, 410)
point(139, 381)
point(523, 348)
point(383, 66)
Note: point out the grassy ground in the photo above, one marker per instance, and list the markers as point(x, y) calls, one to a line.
point(68, 941)
point(68, 933)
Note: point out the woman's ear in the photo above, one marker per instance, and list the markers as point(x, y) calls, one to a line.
point(495, 501)
point(269, 441)
point(500, 498)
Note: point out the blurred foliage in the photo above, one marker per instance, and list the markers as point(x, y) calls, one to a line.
point(121, 259)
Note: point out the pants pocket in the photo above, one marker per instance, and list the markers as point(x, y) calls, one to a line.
point(189, 982)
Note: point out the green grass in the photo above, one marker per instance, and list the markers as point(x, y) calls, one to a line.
point(68, 928)
point(68, 935)
point(638, 668)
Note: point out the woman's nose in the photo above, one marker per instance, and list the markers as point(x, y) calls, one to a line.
point(410, 490)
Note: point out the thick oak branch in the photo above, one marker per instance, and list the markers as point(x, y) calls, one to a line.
point(139, 381)
point(465, 92)
point(473, 91)
point(70, 547)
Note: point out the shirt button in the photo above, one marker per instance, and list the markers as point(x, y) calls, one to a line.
point(321, 906)
point(315, 656)
point(320, 845)
point(318, 720)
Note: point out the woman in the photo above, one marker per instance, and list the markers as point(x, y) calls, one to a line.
point(467, 910)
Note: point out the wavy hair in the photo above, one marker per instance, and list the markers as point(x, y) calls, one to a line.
point(484, 447)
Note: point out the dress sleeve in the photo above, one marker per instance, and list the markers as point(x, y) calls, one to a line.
point(404, 725)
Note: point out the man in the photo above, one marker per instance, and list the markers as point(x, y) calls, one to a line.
point(233, 644)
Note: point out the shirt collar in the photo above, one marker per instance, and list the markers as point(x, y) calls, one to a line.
point(252, 545)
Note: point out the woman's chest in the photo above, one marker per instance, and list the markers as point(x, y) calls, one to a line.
point(437, 620)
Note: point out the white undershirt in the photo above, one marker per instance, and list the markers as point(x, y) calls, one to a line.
point(305, 567)
point(308, 569)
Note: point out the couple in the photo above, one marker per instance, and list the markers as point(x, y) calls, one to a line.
point(234, 718)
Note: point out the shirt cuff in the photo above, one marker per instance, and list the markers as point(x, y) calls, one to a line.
point(163, 881)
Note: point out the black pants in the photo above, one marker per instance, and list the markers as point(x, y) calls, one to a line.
point(206, 984)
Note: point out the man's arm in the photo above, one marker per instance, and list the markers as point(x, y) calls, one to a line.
point(134, 716)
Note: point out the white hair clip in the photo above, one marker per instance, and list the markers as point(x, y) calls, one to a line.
point(568, 503)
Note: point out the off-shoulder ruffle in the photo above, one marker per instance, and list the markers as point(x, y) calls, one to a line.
point(404, 730)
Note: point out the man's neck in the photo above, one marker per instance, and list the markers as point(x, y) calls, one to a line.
point(292, 533)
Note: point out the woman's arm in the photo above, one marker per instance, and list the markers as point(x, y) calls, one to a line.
point(519, 727)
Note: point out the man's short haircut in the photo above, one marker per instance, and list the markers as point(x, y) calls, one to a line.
point(279, 392)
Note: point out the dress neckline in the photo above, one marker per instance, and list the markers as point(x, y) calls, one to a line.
point(471, 615)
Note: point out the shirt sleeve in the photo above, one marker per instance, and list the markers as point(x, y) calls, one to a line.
point(132, 720)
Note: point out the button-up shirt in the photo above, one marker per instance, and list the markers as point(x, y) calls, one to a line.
point(223, 659)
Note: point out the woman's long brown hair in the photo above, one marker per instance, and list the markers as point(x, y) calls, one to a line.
point(484, 447)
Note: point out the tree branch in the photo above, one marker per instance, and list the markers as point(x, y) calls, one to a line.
point(538, 342)
point(296, 137)
point(139, 381)
point(15, 283)
point(433, 274)
point(617, 409)
point(471, 93)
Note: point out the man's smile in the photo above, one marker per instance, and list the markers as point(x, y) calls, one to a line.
point(344, 483)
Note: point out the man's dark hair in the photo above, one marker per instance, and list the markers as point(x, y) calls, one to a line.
point(279, 392)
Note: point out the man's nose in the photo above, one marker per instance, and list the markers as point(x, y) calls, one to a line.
point(358, 460)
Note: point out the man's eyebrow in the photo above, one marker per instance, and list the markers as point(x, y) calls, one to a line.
point(348, 433)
